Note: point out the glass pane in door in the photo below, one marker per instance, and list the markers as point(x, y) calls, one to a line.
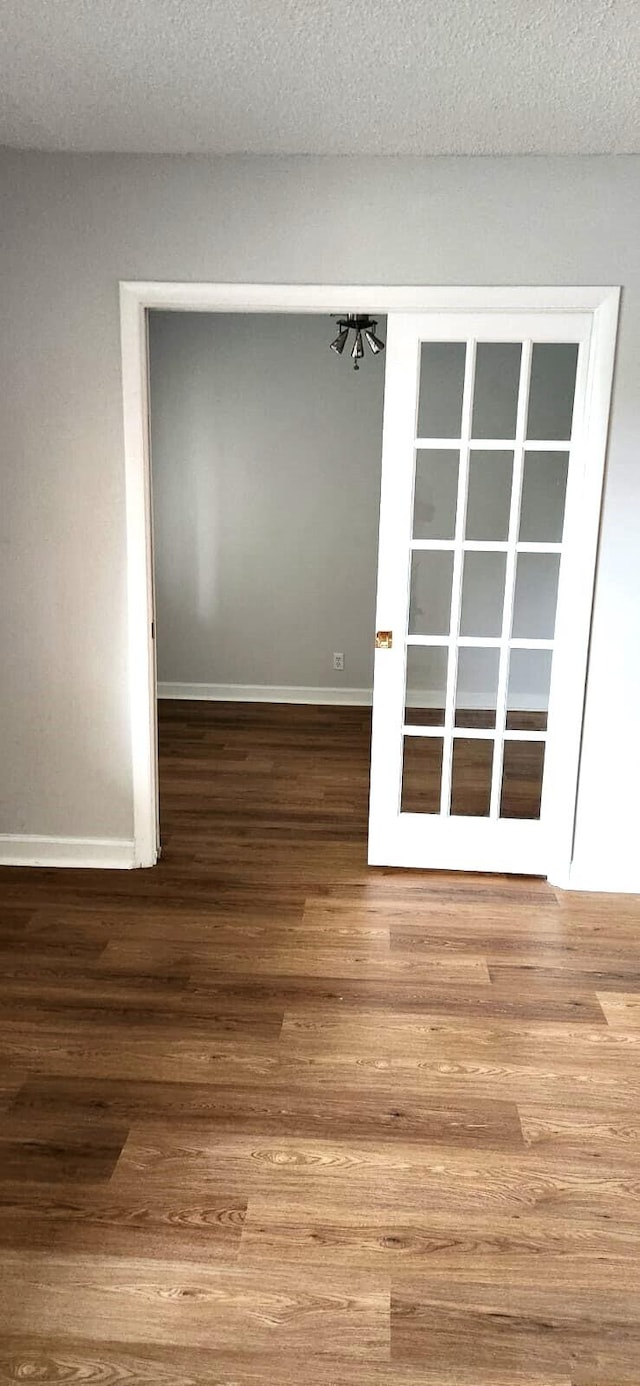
point(441, 385)
point(430, 599)
point(544, 486)
point(495, 397)
point(471, 777)
point(476, 687)
point(426, 685)
point(536, 596)
point(551, 391)
point(528, 690)
point(483, 577)
point(489, 495)
point(522, 779)
point(435, 493)
point(421, 774)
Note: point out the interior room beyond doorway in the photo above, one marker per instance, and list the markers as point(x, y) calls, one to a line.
point(266, 478)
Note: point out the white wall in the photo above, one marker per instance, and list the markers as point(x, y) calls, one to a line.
point(72, 227)
point(266, 481)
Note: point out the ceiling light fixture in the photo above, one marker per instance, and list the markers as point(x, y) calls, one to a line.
point(357, 323)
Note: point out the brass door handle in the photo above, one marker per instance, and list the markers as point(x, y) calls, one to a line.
point(384, 639)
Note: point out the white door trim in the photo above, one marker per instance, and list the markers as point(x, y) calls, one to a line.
point(136, 297)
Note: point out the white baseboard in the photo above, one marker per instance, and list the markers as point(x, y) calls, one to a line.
point(27, 850)
point(605, 880)
point(264, 693)
point(356, 697)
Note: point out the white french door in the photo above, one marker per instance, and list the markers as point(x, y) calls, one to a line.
point(484, 590)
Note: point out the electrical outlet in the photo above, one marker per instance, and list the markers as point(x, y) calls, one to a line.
point(338, 661)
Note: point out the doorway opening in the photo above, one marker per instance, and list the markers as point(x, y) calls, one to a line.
point(266, 456)
point(485, 323)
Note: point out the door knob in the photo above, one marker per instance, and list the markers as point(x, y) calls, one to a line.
point(384, 639)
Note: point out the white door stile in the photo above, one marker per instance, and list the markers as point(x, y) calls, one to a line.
point(490, 444)
point(561, 740)
point(517, 644)
point(486, 545)
point(486, 642)
point(575, 600)
point(428, 640)
point(456, 589)
point(510, 577)
point(441, 839)
point(396, 509)
point(479, 734)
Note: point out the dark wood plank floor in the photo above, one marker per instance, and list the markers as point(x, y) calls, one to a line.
point(270, 1118)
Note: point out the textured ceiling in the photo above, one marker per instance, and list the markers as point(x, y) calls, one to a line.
point(321, 76)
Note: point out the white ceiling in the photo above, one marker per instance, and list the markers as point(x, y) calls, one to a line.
point(321, 76)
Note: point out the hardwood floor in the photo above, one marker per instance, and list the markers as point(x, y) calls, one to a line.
point(271, 1118)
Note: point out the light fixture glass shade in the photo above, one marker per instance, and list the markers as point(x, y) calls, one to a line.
point(375, 343)
point(357, 350)
point(340, 342)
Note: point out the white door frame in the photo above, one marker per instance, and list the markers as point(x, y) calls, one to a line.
point(136, 297)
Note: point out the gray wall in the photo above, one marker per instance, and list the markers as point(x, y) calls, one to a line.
point(266, 480)
point(72, 227)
